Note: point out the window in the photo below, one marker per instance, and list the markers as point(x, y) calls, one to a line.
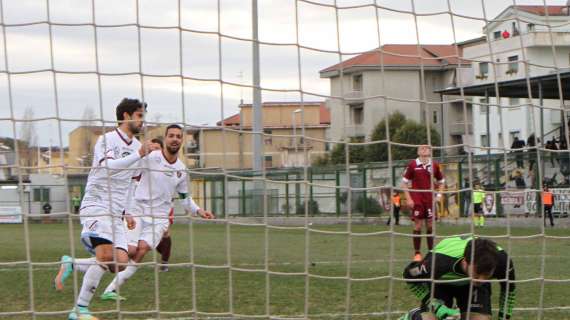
point(434, 116)
point(530, 27)
point(357, 113)
point(41, 195)
point(357, 82)
point(268, 161)
point(484, 141)
point(484, 105)
point(513, 65)
point(497, 35)
point(515, 29)
point(483, 68)
point(267, 139)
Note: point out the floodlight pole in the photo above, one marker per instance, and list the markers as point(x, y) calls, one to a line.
point(257, 112)
point(488, 120)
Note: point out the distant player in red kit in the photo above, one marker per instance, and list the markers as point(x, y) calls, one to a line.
point(418, 176)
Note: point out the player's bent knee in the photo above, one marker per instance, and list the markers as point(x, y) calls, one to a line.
point(132, 251)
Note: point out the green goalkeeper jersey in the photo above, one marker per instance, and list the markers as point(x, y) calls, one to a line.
point(448, 255)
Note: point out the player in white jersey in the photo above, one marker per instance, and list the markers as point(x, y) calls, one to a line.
point(163, 178)
point(115, 158)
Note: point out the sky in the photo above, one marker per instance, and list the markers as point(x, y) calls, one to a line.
point(212, 45)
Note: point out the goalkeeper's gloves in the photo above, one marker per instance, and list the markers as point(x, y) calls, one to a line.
point(441, 311)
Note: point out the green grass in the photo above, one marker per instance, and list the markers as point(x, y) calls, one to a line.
point(286, 254)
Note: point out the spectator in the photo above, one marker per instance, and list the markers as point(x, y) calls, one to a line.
point(76, 203)
point(551, 145)
point(531, 143)
point(564, 157)
point(466, 197)
point(548, 202)
point(47, 208)
point(518, 177)
point(396, 204)
point(518, 144)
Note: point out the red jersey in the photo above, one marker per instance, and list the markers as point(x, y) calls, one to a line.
point(419, 175)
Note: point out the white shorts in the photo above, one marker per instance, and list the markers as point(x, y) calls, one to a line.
point(96, 224)
point(147, 228)
point(148, 231)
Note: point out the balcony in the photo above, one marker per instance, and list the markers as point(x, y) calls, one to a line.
point(458, 128)
point(354, 95)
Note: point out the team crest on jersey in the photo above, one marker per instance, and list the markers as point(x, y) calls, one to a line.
point(125, 153)
point(178, 174)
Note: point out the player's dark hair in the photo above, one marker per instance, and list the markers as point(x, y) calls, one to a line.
point(172, 126)
point(129, 106)
point(158, 140)
point(485, 255)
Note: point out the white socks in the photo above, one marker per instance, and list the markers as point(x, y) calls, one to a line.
point(82, 265)
point(122, 276)
point(90, 282)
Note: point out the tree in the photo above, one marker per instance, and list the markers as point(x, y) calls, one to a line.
point(322, 161)
point(29, 147)
point(379, 151)
point(357, 153)
point(28, 128)
point(413, 133)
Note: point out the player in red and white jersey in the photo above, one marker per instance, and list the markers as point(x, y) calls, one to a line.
point(419, 175)
point(163, 178)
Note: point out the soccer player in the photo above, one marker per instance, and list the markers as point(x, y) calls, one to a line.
point(165, 245)
point(418, 176)
point(468, 261)
point(116, 154)
point(478, 198)
point(162, 177)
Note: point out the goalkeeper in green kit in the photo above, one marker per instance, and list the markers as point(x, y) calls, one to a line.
point(458, 261)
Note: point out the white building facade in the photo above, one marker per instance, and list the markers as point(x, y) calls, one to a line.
point(519, 46)
point(376, 84)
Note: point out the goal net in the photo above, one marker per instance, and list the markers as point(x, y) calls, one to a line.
point(300, 119)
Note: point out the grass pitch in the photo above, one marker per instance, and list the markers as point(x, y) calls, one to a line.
point(282, 292)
